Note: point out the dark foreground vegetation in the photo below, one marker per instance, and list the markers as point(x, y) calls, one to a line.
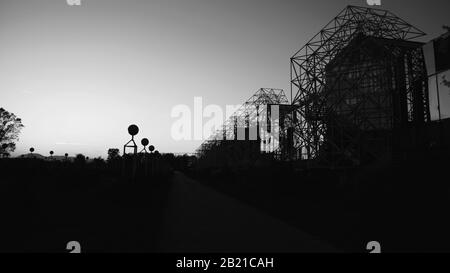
point(47, 203)
point(404, 205)
point(115, 207)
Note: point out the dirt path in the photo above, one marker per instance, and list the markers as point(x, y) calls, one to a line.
point(199, 219)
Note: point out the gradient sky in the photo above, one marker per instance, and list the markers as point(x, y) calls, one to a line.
point(78, 76)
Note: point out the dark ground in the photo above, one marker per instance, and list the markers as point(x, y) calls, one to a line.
point(46, 205)
point(404, 206)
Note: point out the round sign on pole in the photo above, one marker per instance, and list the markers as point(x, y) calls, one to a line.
point(151, 148)
point(31, 150)
point(133, 130)
point(144, 142)
point(51, 152)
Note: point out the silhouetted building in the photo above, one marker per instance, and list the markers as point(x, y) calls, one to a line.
point(375, 100)
point(437, 56)
point(257, 127)
point(361, 90)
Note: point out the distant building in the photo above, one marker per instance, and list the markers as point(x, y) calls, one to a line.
point(258, 127)
point(437, 56)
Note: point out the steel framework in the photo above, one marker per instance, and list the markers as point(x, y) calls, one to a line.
point(362, 77)
point(238, 127)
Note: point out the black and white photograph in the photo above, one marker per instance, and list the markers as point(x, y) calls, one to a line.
point(224, 134)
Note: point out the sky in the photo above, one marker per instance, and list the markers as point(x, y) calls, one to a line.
point(78, 76)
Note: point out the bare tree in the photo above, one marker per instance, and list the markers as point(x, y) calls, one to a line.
point(10, 127)
point(113, 154)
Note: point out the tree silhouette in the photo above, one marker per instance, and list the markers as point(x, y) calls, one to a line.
point(3, 149)
point(80, 159)
point(10, 126)
point(112, 154)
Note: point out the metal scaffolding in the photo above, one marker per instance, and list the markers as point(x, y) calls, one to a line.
point(359, 87)
point(243, 131)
